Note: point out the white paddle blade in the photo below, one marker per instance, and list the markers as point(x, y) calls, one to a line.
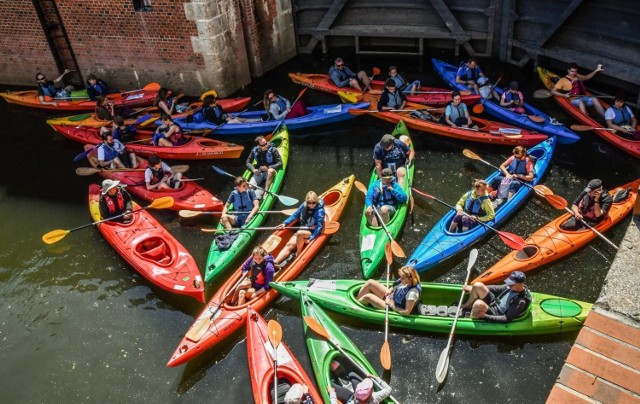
point(443, 365)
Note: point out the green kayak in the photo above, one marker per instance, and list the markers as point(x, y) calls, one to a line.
point(374, 238)
point(218, 261)
point(323, 352)
point(546, 315)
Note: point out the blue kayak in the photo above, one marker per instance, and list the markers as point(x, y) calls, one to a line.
point(318, 115)
point(562, 133)
point(440, 244)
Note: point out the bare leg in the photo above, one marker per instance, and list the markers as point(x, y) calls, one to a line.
point(286, 250)
point(353, 83)
point(364, 78)
point(371, 286)
point(245, 294)
point(478, 291)
point(244, 285)
point(301, 237)
point(582, 107)
point(227, 221)
point(384, 213)
point(401, 173)
point(270, 174)
point(598, 106)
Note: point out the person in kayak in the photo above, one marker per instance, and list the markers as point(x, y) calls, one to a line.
point(279, 108)
point(166, 104)
point(592, 206)
point(96, 87)
point(515, 171)
point(169, 133)
point(121, 131)
point(401, 83)
point(456, 114)
point(498, 303)
point(403, 297)
point(259, 269)
point(263, 160)
point(52, 88)
point(468, 74)
point(113, 154)
point(298, 394)
point(343, 77)
point(474, 206)
point(309, 214)
point(213, 113)
point(620, 118)
point(571, 87)
point(244, 200)
point(364, 392)
point(386, 195)
point(104, 108)
point(343, 382)
point(158, 175)
point(391, 98)
point(114, 201)
point(394, 154)
point(512, 99)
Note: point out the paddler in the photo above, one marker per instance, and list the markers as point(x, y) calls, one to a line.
point(498, 303)
point(114, 201)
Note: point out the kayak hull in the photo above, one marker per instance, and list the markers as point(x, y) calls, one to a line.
point(30, 98)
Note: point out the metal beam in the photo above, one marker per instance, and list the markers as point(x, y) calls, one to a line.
point(328, 19)
point(452, 24)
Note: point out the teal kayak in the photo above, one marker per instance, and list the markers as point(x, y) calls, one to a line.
point(547, 314)
point(374, 238)
point(218, 261)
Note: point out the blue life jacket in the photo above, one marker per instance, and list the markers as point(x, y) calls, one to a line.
point(213, 114)
point(100, 87)
point(469, 74)
point(400, 81)
point(342, 74)
point(400, 295)
point(382, 196)
point(159, 135)
point(621, 116)
point(510, 96)
point(308, 217)
point(474, 206)
point(48, 89)
point(264, 158)
point(506, 297)
point(126, 134)
point(457, 115)
point(109, 152)
point(518, 166)
point(242, 202)
point(282, 105)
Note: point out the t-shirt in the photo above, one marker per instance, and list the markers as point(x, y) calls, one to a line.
point(396, 157)
point(609, 113)
point(148, 175)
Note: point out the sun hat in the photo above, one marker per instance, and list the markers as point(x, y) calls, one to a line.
point(108, 184)
point(364, 389)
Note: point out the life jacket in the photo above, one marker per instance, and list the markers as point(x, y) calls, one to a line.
point(400, 294)
point(264, 158)
point(587, 207)
point(111, 204)
point(394, 100)
point(400, 81)
point(125, 134)
point(308, 217)
point(518, 166)
point(48, 89)
point(469, 73)
point(282, 106)
point(577, 88)
point(511, 96)
point(109, 152)
point(100, 87)
point(457, 114)
point(257, 271)
point(156, 174)
point(342, 75)
point(242, 201)
point(213, 114)
point(382, 196)
point(506, 298)
point(175, 138)
point(473, 206)
point(621, 116)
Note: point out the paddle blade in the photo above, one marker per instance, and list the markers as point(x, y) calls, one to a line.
point(84, 171)
point(316, 327)
point(397, 250)
point(536, 118)
point(556, 201)
point(581, 128)
point(388, 254)
point(331, 227)
point(543, 190)
point(161, 203)
point(221, 171)
point(473, 256)
point(478, 109)
point(512, 240)
point(361, 187)
point(182, 168)
point(197, 331)
point(189, 213)
point(143, 118)
point(275, 333)
point(152, 87)
point(54, 236)
point(443, 365)
point(385, 356)
point(288, 212)
point(149, 121)
point(287, 200)
point(542, 93)
point(470, 154)
point(376, 71)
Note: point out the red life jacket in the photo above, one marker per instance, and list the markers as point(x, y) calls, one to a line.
point(111, 204)
point(577, 88)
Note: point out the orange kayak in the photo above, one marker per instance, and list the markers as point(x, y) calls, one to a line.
point(551, 243)
point(151, 250)
point(219, 319)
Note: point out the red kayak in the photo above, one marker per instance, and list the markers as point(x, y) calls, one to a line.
point(433, 96)
point(189, 196)
point(261, 355)
point(195, 148)
point(151, 250)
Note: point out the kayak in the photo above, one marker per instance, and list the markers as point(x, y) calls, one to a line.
point(322, 353)
point(90, 119)
point(487, 132)
point(261, 355)
point(195, 148)
point(550, 242)
point(151, 250)
point(373, 239)
point(440, 244)
point(206, 331)
point(136, 98)
point(547, 314)
point(218, 261)
point(189, 196)
point(630, 146)
point(563, 134)
point(318, 116)
point(436, 97)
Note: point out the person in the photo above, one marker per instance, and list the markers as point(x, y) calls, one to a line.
point(498, 303)
point(592, 206)
point(394, 154)
point(114, 201)
point(515, 171)
point(158, 175)
point(391, 98)
point(364, 391)
point(298, 394)
point(164, 103)
point(113, 154)
point(403, 297)
point(469, 73)
point(386, 195)
point(343, 383)
point(512, 99)
point(309, 214)
point(213, 112)
point(620, 118)
point(104, 108)
point(401, 83)
point(121, 131)
point(473, 206)
point(169, 133)
point(456, 114)
point(571, 87)
point(96, 87)
point(279, 108)
point(243, 200)
point(52, 88)
point(263, 161)
point(343, 77)
point(259, 272)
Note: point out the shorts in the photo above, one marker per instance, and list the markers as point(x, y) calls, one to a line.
point(588, 101)
point(492, 310)
point(239, 220)
point(391, 210)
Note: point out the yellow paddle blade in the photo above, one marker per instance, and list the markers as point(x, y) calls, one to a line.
point(397, 250)
point(210, 92)
point(385, 356)
point(275, 333)
point(199, 329)
point(316, 327)
point(470, 154)
point(162, 203)
point(54, 236)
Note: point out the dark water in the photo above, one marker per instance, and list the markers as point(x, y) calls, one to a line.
point(79, 325)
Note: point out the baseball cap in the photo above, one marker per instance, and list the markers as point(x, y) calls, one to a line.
point(386, 141)
point(387, 173)
point(513, 85)
point(515, 277)
point(594, 184)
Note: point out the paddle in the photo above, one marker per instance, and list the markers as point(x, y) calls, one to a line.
point(193, 213)
point(395, 247)
point(479, 108)
point(544, 93)
point(232, 116)
point(198, 330)
point(149, 87)
point(385, 352)
point(443, 363)
point(317, 328)
point(536, 118)
point(376, 71)
point(275, 336)
point(559, 202)
point(463, 93)
point(582, 128)
point(329, 228)
point(512, 240)
point(285, 200)
point(285, 117)
point(56, 235)
point(374, 111)
point(84, 171)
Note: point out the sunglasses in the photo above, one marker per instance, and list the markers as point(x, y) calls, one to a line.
point(41, 79)
point(340, 65)
point(312, 203)
point(263, 144)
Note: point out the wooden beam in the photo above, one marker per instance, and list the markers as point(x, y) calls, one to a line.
point(328, 19)
point(452, 24)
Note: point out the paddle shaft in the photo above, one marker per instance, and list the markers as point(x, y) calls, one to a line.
point(287, 200)
point(292, 104)
point(233, 289)
point(602, 236)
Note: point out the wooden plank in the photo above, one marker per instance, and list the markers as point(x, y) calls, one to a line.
point(593, 386)
point(328, 19)
point(452, 24)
